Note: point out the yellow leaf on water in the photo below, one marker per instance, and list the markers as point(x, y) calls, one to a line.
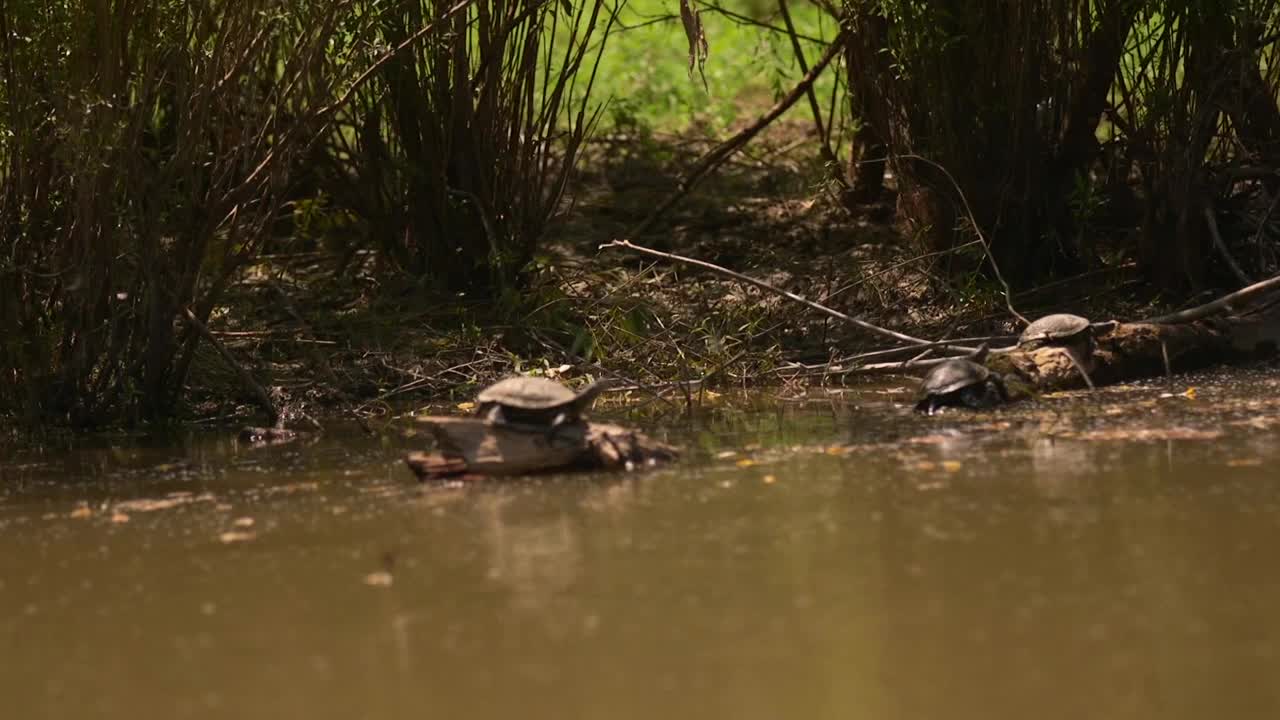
point(243, 522)
point(769, 479)
point(951, 465)
point(381, 578)
point(119, 518)
point(466, 406)
point(1244, 462)
point(745, 463)
point(235, 536)
point(1190, 394)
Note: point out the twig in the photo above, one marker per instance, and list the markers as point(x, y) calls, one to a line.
point(828, 155)
point(986, 245)
point(887, 368)
point(779, 291)
point(246, 379)
point(721, 152)
point(867, 278)
point(941, 343)
point(848, 363)
point(318, 360)
point(1222, 247)
point(1211, 308)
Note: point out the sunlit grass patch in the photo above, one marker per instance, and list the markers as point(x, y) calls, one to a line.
point(644, 73)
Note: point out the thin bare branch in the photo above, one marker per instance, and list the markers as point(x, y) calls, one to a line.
point(628, 245)
point(1222, 303)
point(724, 150)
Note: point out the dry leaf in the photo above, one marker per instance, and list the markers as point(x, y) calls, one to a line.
point(243, 522)
point(951, 465)
point(235, 536)
point(769, 479)
point(745, 463)
point(119, 518)
point(81, 512)
point(697, 37)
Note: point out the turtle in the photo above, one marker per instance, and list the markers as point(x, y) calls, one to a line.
point(1072, 333)
point(535, 401)
point(962, 382)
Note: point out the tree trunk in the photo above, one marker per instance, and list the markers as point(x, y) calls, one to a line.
point(865, 68)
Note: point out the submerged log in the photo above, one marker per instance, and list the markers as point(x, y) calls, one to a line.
point(472, 446)
point(1132, 351)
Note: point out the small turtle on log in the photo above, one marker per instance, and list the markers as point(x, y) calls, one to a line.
point(536, 401)
point(961, 382)
point(1072, 333)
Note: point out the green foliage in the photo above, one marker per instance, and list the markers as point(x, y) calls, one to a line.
point(645, 77)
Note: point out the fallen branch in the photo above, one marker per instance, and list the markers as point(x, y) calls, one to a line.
point(885, 368)
point(784, 293)
point(1222, 303)
point(246, 379)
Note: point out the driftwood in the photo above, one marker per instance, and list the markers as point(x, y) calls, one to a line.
point(1132, 351)
point(471, 446)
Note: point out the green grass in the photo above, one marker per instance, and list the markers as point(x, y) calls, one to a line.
point(644, 72)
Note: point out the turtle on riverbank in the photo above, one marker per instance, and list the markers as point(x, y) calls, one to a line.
point(536, 401)
point(961, 382)
point(1072, 333)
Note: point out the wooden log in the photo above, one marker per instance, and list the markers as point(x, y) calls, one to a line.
point(473, 446)
point(1132, 351)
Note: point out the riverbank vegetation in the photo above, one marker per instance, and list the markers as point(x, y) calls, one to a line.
point(361, 202)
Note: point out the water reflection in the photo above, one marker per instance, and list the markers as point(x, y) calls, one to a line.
point(534, 551)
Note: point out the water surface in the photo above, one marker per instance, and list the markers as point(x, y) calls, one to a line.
point(1085, 556)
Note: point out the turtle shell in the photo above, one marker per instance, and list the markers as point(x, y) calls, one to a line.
point(953, 375)
point(527, 393)
point(1059, 326)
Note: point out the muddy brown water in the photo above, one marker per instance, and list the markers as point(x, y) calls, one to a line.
point(1104, 556)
